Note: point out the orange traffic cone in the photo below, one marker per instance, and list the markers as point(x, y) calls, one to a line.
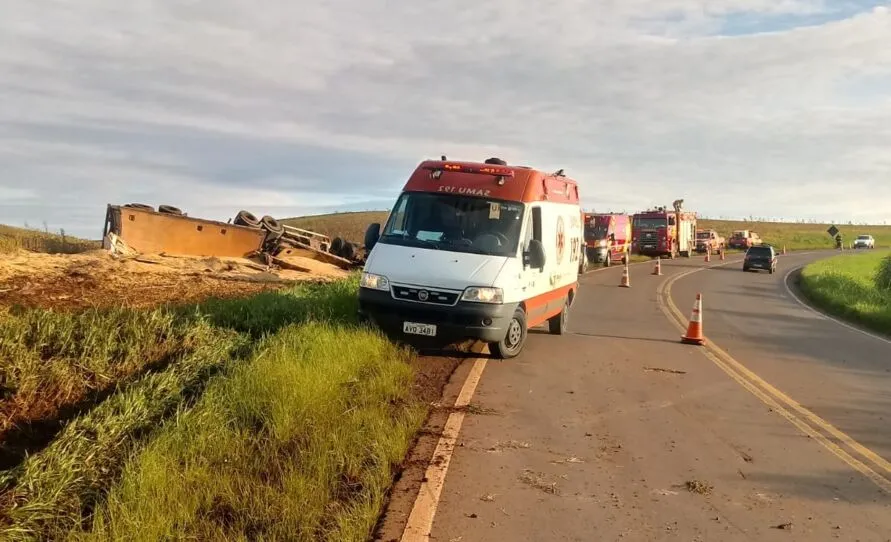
point(694, 329)
point(658, 269)
point(626, 278)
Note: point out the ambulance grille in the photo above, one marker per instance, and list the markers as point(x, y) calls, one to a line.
point(424, 295)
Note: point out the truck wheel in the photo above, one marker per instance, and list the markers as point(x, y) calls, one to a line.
point(140, 206)
point(514, 337)
point(557, 324)
point(271, 225)
point(170, 210)
point(348, 251)
point(246, 218)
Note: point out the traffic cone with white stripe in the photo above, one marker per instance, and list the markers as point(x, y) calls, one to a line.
point(694, 328)
point(658, 269)
point(626, 278)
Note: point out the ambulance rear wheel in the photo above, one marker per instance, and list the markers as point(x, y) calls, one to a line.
point(514, 339)
point(557, 324)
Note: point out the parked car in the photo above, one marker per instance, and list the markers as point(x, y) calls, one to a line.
point(709, 240)
point(744, 239)
point(864, 241)
point(762, 257)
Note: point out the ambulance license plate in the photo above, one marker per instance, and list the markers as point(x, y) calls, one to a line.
point(428, 330)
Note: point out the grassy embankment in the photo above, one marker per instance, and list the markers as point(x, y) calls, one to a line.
point(856, 287)
point(12, 239)
point(274, 417)
point(799, 236)
point(793, 235)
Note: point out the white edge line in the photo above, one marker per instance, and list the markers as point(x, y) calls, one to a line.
point(420, 520)
point(823, 314)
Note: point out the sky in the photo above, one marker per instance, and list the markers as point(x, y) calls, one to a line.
point(765, 108)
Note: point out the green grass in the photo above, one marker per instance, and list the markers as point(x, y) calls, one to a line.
point(846, 286)
point(13, 239)
point(225, 419)
point(795, 236)
point(298, 444)
point(49, 360)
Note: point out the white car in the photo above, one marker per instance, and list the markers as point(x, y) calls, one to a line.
point(864, 241)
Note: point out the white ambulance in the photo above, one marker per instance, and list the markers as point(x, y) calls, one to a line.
point(473, 250)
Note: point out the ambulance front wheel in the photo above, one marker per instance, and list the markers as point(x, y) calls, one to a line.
point(514, 338)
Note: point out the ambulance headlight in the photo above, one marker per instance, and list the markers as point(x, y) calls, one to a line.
point(483, 295)
point(374, 282)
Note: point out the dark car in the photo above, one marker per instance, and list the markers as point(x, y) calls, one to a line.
point(760, 257)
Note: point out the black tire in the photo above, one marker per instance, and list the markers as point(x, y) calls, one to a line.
point(245, 218)
point(745, 269)
point(557, 324)
point(271, 225)
point(170, 210)
point(348, 251)
point(336, 246)
point(514, 337)
point(140, 206)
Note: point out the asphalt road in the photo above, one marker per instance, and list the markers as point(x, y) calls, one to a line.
point(618, 431)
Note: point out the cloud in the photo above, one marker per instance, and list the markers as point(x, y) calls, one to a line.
point(763, 107)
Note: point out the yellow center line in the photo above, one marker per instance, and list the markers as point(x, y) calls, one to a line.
point(772, 397)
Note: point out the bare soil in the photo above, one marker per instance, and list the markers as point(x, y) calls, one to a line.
point(97, 278)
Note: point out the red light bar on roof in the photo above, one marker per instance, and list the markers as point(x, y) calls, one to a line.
point(480, 170)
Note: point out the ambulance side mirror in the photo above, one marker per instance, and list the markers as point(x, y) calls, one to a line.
point(535, 256)
point(372, 234)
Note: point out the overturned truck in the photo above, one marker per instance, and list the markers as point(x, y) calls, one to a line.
point(167, 230)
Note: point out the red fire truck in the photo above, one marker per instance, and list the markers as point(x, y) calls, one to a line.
point(664, 232)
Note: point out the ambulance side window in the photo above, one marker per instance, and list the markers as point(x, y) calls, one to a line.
point(536, 223)
point(533, 227)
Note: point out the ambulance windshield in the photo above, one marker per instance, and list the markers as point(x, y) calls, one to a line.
point(456, 223)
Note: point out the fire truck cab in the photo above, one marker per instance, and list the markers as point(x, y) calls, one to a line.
point(472, 250)
point(661, 232)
